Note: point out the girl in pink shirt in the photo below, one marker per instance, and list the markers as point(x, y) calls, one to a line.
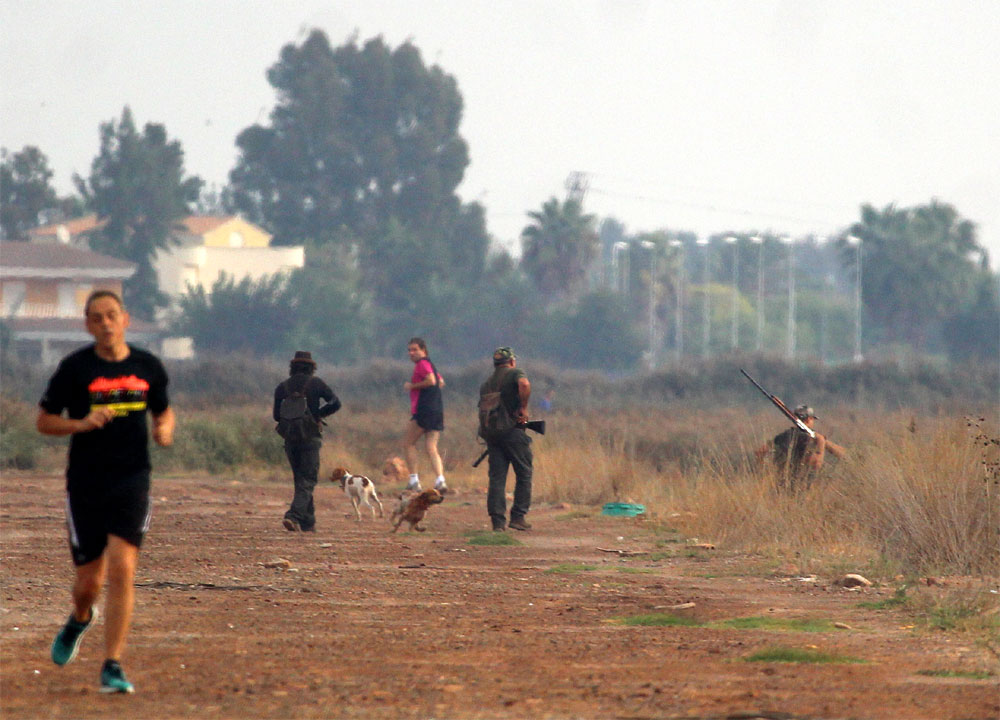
point(427, 413)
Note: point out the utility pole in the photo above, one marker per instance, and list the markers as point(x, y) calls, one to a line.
point(577, 184)
point(790, 349)
point(706, 318)
point(759, 242)
point(734, 339)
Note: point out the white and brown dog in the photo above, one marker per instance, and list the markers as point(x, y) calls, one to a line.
point(359, 489)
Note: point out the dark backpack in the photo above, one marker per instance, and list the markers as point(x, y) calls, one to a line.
point(296, 424)
point(494, 417)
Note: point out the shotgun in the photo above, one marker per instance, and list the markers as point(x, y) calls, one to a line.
point(537, 426)
point(781, 406)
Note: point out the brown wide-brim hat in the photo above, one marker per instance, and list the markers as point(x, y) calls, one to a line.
point(303, 357)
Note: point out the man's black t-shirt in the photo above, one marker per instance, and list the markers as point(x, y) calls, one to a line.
point(84, 381)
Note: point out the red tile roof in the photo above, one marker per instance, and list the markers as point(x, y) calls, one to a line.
point(76, 226)
point(201, 224)
point(194, 224)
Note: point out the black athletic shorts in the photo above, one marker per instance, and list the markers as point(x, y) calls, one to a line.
point(429, 420)
point(117, 507)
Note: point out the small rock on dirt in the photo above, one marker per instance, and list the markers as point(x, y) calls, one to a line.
point(277, 563)
point(852, 580)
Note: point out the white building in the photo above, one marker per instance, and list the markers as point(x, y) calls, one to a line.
point(212, 245)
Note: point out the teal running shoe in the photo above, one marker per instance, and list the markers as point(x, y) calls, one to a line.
point(113, 679)
point(67, 642)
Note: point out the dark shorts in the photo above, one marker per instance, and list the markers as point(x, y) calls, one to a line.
point(429, 420)
point(120, 507)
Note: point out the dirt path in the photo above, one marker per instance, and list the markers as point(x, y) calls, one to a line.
point(365, 624)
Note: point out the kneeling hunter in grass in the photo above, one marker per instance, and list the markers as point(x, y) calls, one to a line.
point(798, 454)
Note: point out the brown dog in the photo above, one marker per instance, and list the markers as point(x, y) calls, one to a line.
point(413, 509)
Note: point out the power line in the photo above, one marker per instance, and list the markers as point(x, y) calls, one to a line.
point(712, 207)
point(712, 190)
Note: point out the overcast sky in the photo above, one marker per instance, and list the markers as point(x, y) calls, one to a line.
point(699, 115)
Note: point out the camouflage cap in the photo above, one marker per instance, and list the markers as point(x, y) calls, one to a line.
point(503, 355)
point(804, 412)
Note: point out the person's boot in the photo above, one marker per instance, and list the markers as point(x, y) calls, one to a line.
point(518, 524)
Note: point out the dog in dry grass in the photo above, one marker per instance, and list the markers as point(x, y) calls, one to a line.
point(394, 471)
point(413, 507)
point(359, 489)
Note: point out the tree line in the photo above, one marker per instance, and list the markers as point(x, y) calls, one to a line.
point(360, 159)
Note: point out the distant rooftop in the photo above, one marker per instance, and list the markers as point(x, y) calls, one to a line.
point(26, 259)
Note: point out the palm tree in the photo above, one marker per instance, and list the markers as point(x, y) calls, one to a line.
point(558, 247)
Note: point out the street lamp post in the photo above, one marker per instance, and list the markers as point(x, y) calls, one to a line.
point(856, 243)
point(621, 278)
point(759, 242)
point(734, 331)
point(790, 347)
point(824, 328)
point(706, 318)
point(651, 247)
point(679, 303)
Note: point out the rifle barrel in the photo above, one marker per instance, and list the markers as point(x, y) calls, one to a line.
point(781, 406)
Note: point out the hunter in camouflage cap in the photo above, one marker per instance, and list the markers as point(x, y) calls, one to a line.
point(503, 355)
point(804, 412)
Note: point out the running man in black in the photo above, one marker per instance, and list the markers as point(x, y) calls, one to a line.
point(105, 390)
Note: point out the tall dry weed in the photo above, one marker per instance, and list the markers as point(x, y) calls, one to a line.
point(912, 496)
point(925, 499)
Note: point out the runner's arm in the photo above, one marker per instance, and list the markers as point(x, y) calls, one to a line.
point(163, 427)
point(421, 384)
point(52, 424)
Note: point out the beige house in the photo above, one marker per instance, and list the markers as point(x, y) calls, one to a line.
point(43, 289)
point(212, 245)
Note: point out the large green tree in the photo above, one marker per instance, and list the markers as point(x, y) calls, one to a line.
point(25, 191)
point(918, 264)
point(359, 135)
point(254, 317)
point(558, 247)
point(138, 186)
point(333, 312)
point(594, 334)
point(362, 153)
point(974, 330)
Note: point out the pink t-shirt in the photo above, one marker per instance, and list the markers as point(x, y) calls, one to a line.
point(421, 369)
